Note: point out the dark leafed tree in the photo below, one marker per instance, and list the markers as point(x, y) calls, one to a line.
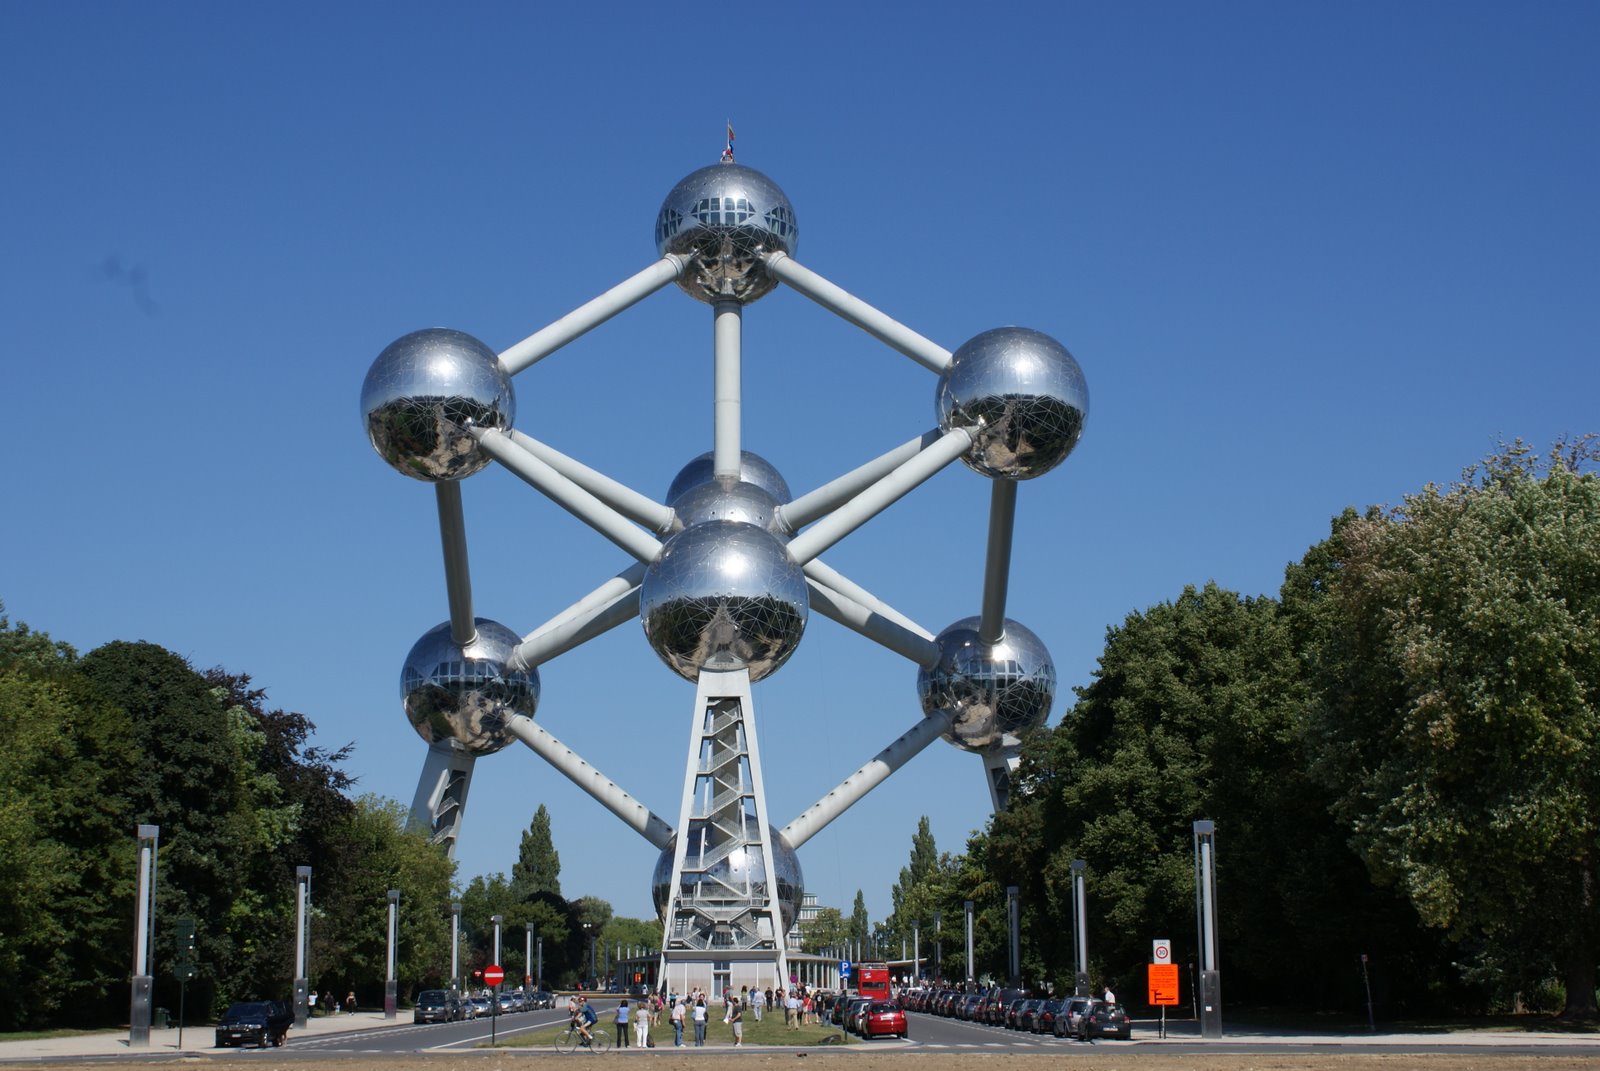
point(1459, 713)
point(860, 924)
point(538, 867)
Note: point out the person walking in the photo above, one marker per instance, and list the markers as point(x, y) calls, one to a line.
point(350, 1002)
point(621, 1023)
point(677, 1024)
point(758, 1003)
point(736, 1020)
point(641, 1024)
point(700, 1022)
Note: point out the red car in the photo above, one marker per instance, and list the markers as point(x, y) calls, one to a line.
point(883, 1018)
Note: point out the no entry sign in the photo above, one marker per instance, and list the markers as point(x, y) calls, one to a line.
point(493, 975)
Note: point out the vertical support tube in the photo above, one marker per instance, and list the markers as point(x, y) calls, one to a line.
point(302, 894)
point(538, 974)
point(997, 563)
point(971, 974)
point(1205, 847)
point(143, 933)
point(1080, 911)
point(1013, 916)
point(726, 459)
point(390, 1001)
point(457, 579)
point(527, 961)
point(938, 947)
point(455, 947)
point(916, 951)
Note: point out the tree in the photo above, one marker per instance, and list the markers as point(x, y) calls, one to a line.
point(538, 867)
point(860, 924)
point(1459, 722)
point(825, 931)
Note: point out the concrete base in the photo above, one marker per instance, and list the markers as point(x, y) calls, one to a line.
point(139, 1013)
point(302, 1010)
point(391, 1003)
point(1080, 985)
point(1210, 1004)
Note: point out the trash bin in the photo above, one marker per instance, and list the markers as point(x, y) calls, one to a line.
point(162, 1019)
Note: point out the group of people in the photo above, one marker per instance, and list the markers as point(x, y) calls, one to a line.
point(328, 1005)
point(689, 1014)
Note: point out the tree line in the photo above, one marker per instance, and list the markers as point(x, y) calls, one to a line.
point(92, 746)
point(1400, 751)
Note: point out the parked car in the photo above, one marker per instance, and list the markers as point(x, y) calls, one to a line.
point(1066, 1025)
point(853, 1013)
point(480, 1007)
point(436, 1006)
point(255, 1022)
point(541, 998)
point(884, 1017)
point(1104, 1020)
point(1028, 1015)
point(1045, 1021)
point(1013, 1014)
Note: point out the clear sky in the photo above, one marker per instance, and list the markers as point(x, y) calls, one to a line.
point(1308, 255)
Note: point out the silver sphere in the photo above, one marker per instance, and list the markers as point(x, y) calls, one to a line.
point(753, 468)
point(735, 870)
point(723, 596)
point(725, 499)
point(422, 394)
point(722, 218)
point(466, 694)
point(991, 691)
point(1024, 395)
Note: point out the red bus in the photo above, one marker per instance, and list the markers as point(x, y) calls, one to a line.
point(872, 980)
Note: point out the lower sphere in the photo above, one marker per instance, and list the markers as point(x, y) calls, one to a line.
point(739, 867)
point(991, 691)
point(466, 694)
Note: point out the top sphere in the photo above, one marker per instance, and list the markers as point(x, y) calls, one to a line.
point(753, 468)
point(422, 394)
point(722, 218)
point(1023, 395)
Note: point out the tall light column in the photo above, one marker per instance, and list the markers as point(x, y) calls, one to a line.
point(302, 897)
point(938, 947)
point(527, 961)
point(390, 1001)
point(538, 972)
point(144, 920)
point(1013, 920)
point(455, 947)
point(1080, 938)
point(1205, 862)
point(971, 974)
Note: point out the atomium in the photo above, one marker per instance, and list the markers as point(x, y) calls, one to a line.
point(1023, 395)
point(742, 869)
point(990, 692)
point(723, 218)
point(422, 394)
point(466, 694)
point(753, 469)
point(723, 596)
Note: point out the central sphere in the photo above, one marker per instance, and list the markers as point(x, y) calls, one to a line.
point(990, 691)
point(1022, 394)
point(723, 596)
point(422, 394)
point(722, 218)
point(466, 694)
point(739, 867)
point(753, 468)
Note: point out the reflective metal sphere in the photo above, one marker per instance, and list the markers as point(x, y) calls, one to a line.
point(725, 499)
point(466, 694)
point(991, 691)
point(723, 596)
point(1025, 395)
point(753, 468)
point(723, 217)
point(421, 395)
point(740, 866)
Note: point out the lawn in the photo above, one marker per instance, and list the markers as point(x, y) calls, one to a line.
point(770, 1031)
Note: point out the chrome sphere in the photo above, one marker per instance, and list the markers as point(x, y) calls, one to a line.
point(1022, 393)
point(422, 394)
point(722, 218)
point(739, 866)
point(725, 499)
point(466, 694)
point(1007, 688)
point(753, 468)
point(723, 596)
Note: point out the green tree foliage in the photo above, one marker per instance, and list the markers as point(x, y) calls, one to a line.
point(538, 867)
point(1455, 644)
point(827, 931)
point(860, 924)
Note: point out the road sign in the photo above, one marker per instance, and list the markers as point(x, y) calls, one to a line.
point(493, 975)
point(1161, 951)
point(844, 968)
point(1163, 984)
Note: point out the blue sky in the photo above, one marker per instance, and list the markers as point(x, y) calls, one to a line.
point(1308, 256)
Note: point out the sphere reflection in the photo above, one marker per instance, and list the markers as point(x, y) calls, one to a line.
point(466, 694)
point(742, 868)
point(722, 218)
point(422, 394)
point(990, 691)
point(1024, 396)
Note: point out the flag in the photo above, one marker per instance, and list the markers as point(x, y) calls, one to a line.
point(727, 153)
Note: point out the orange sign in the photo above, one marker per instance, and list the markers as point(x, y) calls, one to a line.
point(1163, 983)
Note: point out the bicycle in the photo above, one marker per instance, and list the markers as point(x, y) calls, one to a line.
point(570, 1040)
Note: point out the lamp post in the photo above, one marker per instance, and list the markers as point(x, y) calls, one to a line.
point(538, 974)
point(455, 947)
point(390, 1002)
point(916, 950)
point(1080, 933)
point(527, 961)
point(144, 924)
point(302, 897)
point(938, 946)
point(1205, 893)
point(1013, 917)
point(971, 976)
point(588, 931)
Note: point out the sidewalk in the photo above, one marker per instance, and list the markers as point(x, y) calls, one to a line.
point(197, 1037)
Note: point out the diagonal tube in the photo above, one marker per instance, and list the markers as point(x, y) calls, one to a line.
point(457, 577)
point(542, 343)
point(997, 563)
point(850, 791)
point(815, 540)
point(795, 515)
point(578, 630)
point(837, 581)
point(568, 495)
point(641, 509)
point(847, 306)
point(607, 792)
point(874, 626)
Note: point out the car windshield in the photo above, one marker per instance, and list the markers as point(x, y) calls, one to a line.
point(885, 1008)
point(247, 1011)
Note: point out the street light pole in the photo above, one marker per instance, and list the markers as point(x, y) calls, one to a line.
point(1080, 939)
point(390, 995)
point(527, 961)
point(302, 896)
point(1013, 915)
point(1205, 850)
point(938, 946)
point(455, 947)
point(144, 922)
point(971, 974)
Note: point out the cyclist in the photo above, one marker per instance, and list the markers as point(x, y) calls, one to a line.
point(583, 1017)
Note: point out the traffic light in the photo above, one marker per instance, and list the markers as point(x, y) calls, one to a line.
point(477, 975)
point(184, 964)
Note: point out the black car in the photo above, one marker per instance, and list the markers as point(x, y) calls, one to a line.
point(1104, 1020)
point(1045, 1021)
point(541, 998)
point(255, 1022)
point(436, 1006)
point(1072, 1009)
